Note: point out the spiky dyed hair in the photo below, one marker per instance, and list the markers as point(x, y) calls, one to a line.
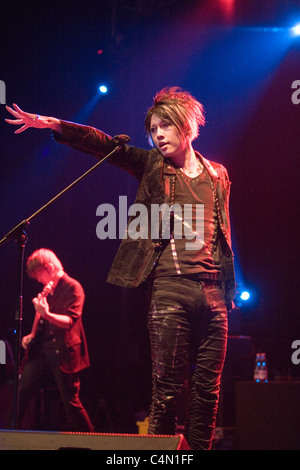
point(178, 107)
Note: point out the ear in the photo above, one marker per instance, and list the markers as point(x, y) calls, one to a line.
point(49, 267)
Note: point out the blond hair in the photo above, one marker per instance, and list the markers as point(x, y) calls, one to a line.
point(180, 108)
point(40, 259)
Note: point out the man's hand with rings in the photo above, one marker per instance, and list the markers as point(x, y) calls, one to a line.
point(26, 120)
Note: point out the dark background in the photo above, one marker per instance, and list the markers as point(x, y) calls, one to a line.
point(240, 60)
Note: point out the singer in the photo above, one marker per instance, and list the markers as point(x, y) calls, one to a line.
point(56, 344)
point(191, 291)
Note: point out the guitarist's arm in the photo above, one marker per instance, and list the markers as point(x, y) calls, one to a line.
point(62, 321)
point(42, 308)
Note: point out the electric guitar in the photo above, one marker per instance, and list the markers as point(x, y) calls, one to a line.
point(48, 289)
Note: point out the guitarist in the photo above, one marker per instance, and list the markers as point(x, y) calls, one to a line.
point(57, 341)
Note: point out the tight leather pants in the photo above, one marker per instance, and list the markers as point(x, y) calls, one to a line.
point(188, 334)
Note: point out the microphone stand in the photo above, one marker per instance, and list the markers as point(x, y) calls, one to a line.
point(20, 236)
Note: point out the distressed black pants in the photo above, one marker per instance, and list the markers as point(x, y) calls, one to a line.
point(188, 334)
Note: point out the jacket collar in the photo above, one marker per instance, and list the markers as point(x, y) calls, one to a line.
point(208, 166)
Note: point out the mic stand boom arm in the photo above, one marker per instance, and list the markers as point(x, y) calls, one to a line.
point(18, 233)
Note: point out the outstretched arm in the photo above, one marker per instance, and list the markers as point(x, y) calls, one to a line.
point(27, 120)
point(84, 138)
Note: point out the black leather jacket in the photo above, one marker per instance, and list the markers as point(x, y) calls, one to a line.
point(135, 259)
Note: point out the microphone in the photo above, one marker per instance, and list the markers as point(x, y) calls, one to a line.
point(121, 139)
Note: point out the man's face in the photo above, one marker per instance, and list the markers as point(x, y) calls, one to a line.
point(166, 138)
point(43, 276)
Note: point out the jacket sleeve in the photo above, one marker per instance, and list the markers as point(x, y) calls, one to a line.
point(95, 142)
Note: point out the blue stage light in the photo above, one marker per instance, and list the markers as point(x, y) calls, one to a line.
point(103, 89)
point(296, 29)
point(245, 295)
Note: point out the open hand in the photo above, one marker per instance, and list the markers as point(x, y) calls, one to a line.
point(27, 120)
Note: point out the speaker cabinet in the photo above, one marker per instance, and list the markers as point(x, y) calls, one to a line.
point(33, 440)
point(267, 416)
